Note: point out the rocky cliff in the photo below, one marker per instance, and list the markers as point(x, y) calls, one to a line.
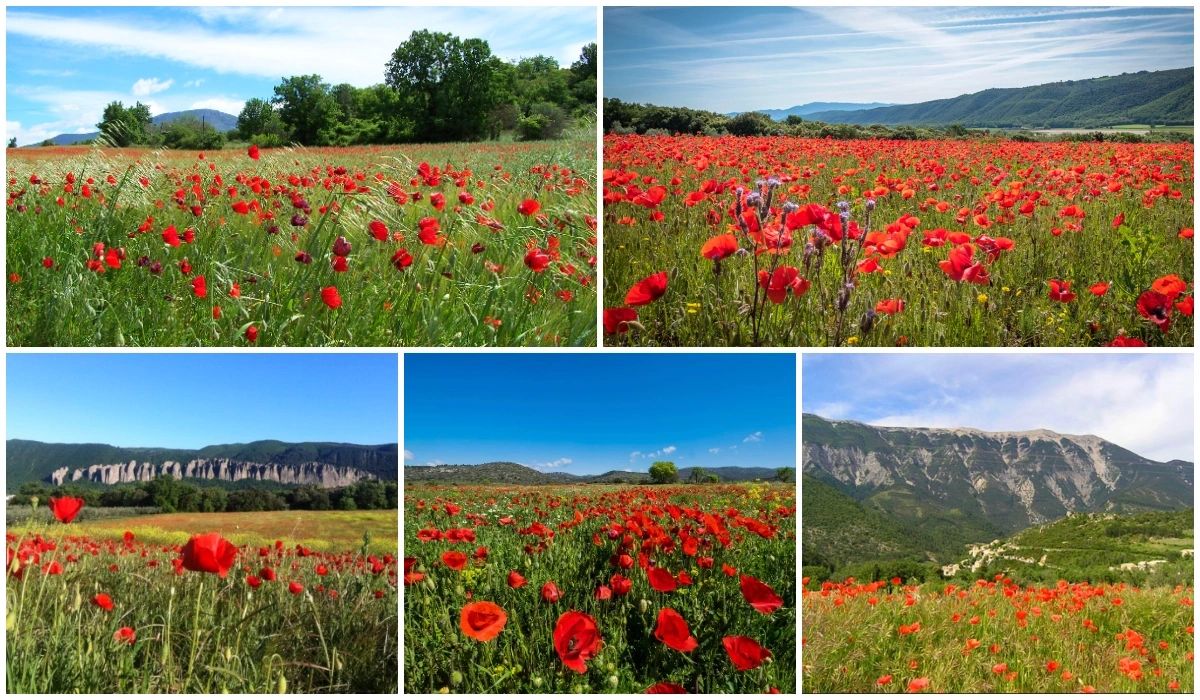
point(315, 473)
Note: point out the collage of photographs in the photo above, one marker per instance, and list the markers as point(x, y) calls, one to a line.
point(593, 347)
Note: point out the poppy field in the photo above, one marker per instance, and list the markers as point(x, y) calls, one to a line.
point(996, 636)
point(432, 245)
point(779, 241)
point(149, 610)
point(600, 589)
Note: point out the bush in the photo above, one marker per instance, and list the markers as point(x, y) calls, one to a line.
point(545, 120)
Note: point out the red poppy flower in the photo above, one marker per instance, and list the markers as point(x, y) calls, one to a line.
point(1170, 286)
point(1099, 289)
point(647, 290)
point(781, 281)
point(125, 635)
point(576, 639)
point(759, 595)
point(1185, 307)
point(103, 601)
point(1118, 220)
point(550, 592)
point(661, 580)
point(402, 259)
point(664, 688)
point(745, 653)
point(537, 259)
point(1124, 341)
point(209, 553)
point(516, 580)
point(199, 286)
point(330, 296)
point(170, 236)
point(295, 588)
point(253, 581)
point(529, 207)
point(267, 573)
point(616, 320)
point(454, 560)
point(65, 508)
point(252, 151)
point(916, 685)
point(482, 621)
point(378, 230)
point(620, 585)
point(252, 334)
point(1061, 291)
point(673, 631)
point(1156, 308)
point(719, 247)
point(889, 306)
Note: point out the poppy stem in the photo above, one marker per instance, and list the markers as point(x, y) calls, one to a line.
point(195, 634)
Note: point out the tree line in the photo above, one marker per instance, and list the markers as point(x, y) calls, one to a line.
point(437, 87)
point(631, 118)
point(170, 495)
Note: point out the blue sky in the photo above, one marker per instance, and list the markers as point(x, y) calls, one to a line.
point(64, 64)
point(732, 59)
point(590, 413)
point(1142, 402)
point(192, 400)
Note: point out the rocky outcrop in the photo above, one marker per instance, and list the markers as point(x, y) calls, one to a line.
point(1012, 479)
point(314, 473)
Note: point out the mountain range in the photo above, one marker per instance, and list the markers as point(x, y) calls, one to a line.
point(1145, 97)
point(326, 464)
point(217, 119)
point(810, 108)
point(871, 491)
point(512, 473)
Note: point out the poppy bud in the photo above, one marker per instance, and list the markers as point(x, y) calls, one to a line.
point(643, 605)
point(341, 246)
point(282, 687)
point(456, 678)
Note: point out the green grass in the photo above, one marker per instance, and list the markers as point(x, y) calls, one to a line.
point(522, 659)
point(853, 642)
point(473, 290)
point(196, 632)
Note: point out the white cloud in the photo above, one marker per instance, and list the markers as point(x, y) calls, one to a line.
point(409, 456)
point(1143, 403)
point(756, 436)
point(714, 450)
point(194, 83)
point(661, 452)
point(560, 462)
point(355, 43)
point(150, 86)
point(434, 463)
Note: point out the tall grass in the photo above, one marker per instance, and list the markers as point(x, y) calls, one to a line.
point(473, 290)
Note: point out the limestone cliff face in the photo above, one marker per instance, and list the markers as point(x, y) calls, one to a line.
point(1014, 479)
point(315, 473)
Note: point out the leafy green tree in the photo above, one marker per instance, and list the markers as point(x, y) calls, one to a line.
point(664, 473)
point(699, 475)
point(786, 475)
point(583, 78)
point(191, 134)
point(752, 124)
point(12, 143)
point(125, 126)
point(447, 85)
point(260, 123)
point(545, 120)
point(306, 107)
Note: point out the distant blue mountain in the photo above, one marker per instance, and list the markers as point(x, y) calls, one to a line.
point(813, 107)
point(216, 119)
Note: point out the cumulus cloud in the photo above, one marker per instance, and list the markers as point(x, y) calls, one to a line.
point(1142, 402)
point(409, 456)
point(756, 436)
point(150, 86)
point(661, 452)
point(556, 464)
